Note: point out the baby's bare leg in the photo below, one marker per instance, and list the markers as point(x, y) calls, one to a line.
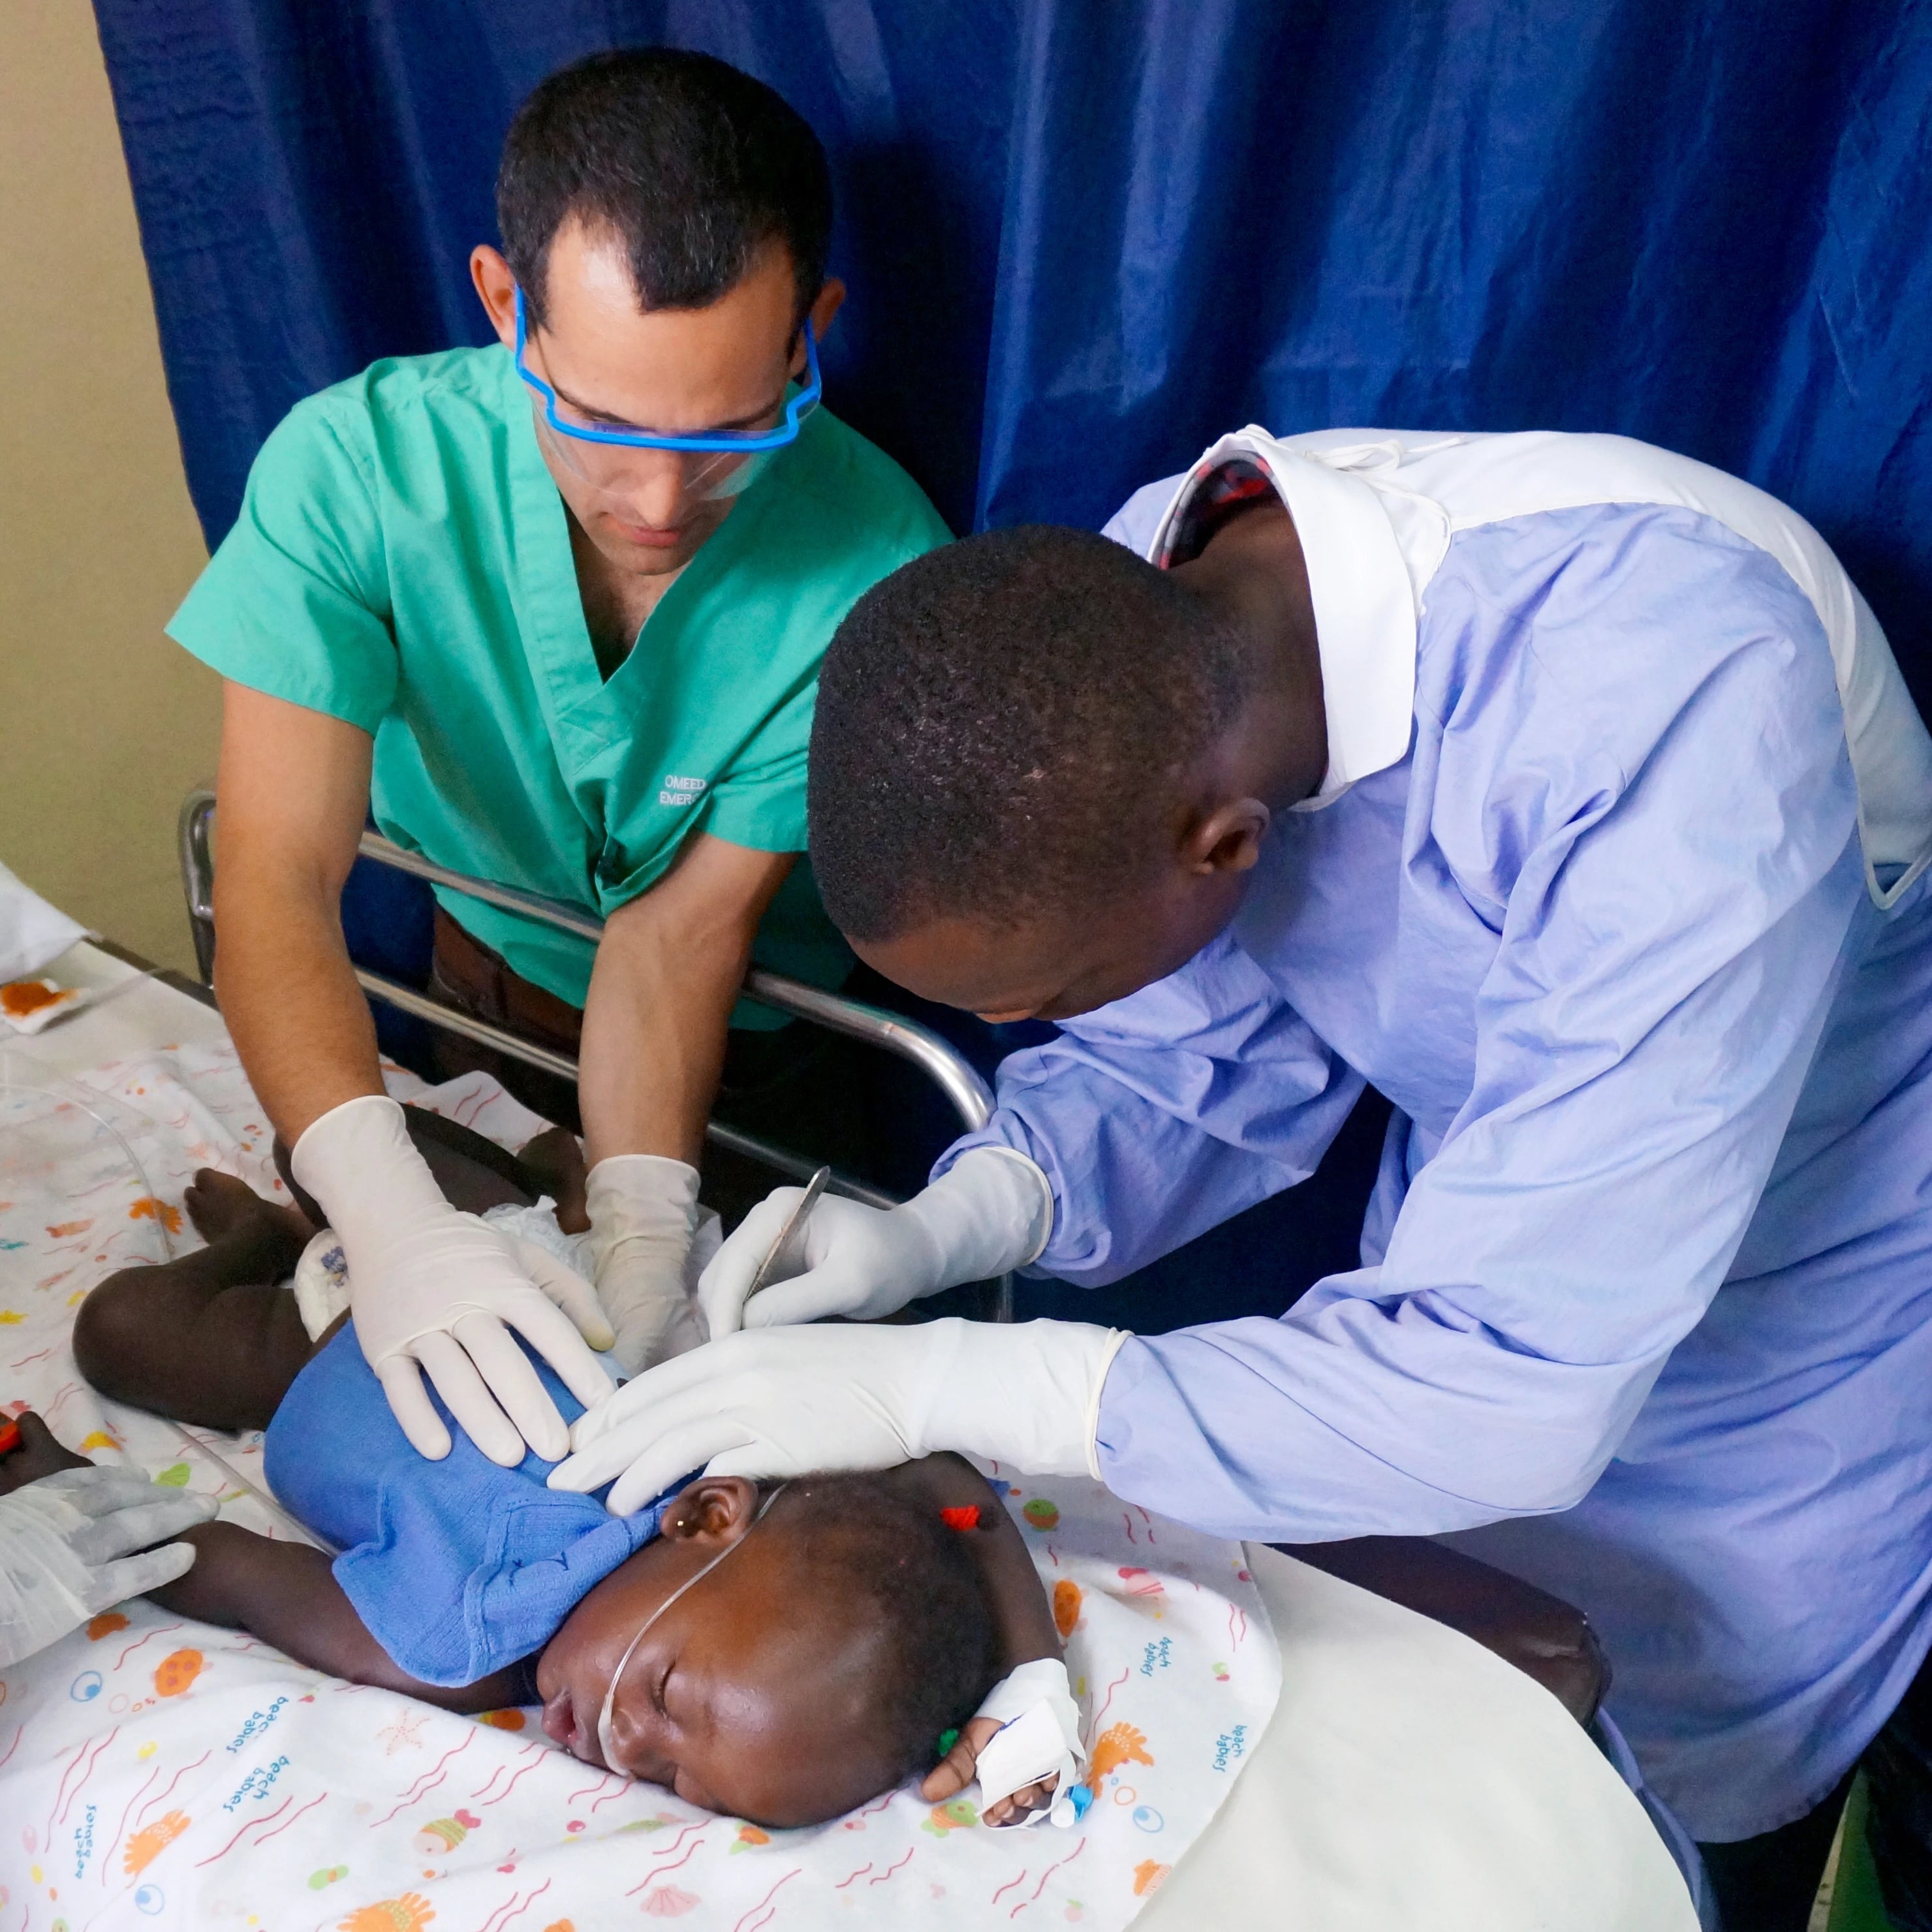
point(554, 1163)
point(210, 1338)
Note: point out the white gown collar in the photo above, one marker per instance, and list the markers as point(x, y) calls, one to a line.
point(1369, 549)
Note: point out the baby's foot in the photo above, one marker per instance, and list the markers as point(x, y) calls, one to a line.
point(556, 1162)
point(265, 1239)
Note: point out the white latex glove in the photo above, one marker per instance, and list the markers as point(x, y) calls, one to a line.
point(781, 1402)
point(644, 1211)
point(67, 1545)
point(436, 1291)
point(992, 1211)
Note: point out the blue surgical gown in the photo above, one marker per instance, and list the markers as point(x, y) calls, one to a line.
point(1645, 1308)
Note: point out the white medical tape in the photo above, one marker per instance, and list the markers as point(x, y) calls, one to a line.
point(1038, 1738)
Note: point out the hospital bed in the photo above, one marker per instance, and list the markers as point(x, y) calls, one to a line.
point(1408, 1778)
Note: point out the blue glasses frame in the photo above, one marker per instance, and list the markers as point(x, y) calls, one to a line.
point(735, 442)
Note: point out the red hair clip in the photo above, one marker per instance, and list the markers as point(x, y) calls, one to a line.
point(967, 1517)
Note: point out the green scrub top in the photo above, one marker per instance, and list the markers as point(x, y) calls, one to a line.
point(402, 562)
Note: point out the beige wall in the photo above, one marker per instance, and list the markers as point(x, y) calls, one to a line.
point(103, 723)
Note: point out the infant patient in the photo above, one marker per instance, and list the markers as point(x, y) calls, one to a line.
point(781, 1652)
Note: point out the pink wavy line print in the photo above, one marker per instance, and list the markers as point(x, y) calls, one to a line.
point(512, 1785)
point(1108, 1699)
point(44, 1353)
point(1009, 1884)
point(1127, 1518)
point(267, 1817)
point(859, 1873)
point(164, 1631)
point(1044, 1876)
point(589, 1788)
point(415, 1797)
point(872, 1811)
point(761, 1913)
point(684, 1831)
point(657, 1872)
point(282, 1827)
point(454, 1751)
point(1147, 1523)
point(495, 1772)
point(87, 1776)
point(113, 1844)
point(60, 1793)
point(1237, 1634)
point(617, 1792)
point(426, 1782)
point(140, 1817)
point(890, 1869)
point(513, 1908)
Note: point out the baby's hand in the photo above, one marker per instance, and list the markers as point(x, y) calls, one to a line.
point(958, 1767)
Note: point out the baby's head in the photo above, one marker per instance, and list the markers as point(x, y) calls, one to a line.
point(815, 1667)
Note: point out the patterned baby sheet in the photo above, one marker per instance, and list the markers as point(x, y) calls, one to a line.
point(155, 1772)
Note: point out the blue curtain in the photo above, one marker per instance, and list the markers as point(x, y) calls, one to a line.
point(1084, 236)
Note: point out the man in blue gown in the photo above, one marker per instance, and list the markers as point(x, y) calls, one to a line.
point(1566, 792)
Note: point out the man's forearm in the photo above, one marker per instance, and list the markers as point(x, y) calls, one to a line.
point(288, 995)
point(667, 974)
point(653, 1049)
point(294, 789)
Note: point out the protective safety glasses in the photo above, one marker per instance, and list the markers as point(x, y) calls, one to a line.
point(627, 464)
point(607, 1741)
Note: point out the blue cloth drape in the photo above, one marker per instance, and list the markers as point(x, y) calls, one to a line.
point(1083, 238)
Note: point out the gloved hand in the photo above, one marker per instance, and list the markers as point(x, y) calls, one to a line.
point(783, 1402)
point(991, 1211)
point(67, 1550)
point(431, 1290)
point(643, 1211)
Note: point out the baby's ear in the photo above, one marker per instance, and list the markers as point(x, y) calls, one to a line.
point(713, 1509)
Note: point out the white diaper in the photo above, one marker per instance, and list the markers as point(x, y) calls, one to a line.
point(321, 1282)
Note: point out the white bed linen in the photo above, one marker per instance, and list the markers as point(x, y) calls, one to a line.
point(170, 1772)
point(1407, 1779)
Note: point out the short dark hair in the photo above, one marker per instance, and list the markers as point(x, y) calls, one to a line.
point(1004, 723)
point(889, 1571)
point(693, 166)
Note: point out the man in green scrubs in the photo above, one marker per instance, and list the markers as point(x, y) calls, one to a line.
point(555, 611)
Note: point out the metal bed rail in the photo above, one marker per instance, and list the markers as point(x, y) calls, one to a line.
point(955, 1077)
